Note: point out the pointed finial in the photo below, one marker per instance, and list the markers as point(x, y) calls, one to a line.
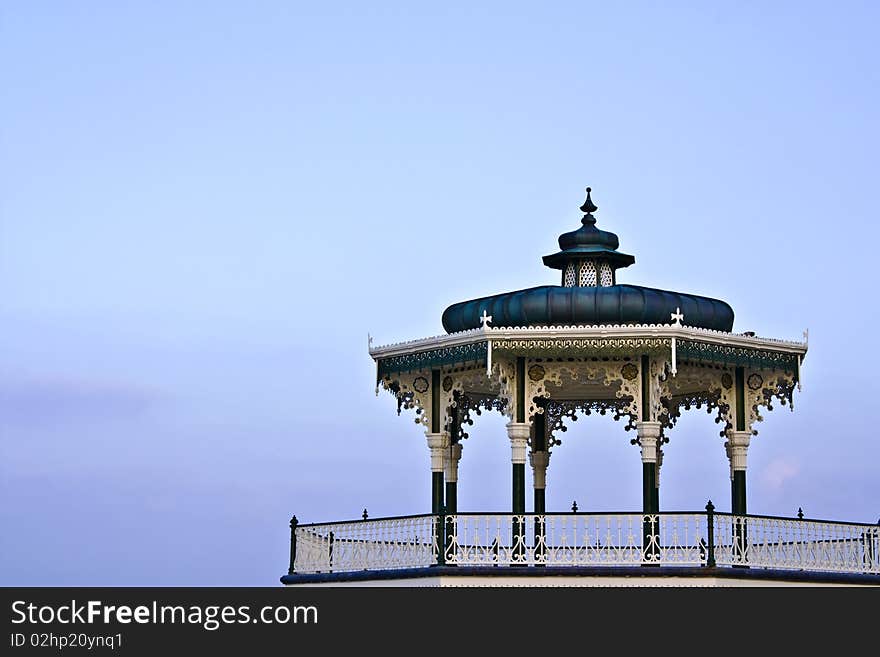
point(588, 208)
point(800, 513)
point(364, 515)
point(588, 205)
point(574, 507)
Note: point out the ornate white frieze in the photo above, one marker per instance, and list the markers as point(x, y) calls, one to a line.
point(548, 377)
point(695, 343)
point(617, 381)
point(747, 340)
point(565, 346)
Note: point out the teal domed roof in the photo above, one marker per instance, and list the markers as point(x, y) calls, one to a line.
point(589, 294)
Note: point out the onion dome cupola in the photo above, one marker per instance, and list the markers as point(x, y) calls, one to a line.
point(589, 294)
point(589, 256)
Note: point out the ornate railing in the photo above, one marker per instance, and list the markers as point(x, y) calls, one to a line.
point(704, 538)
point(770, 542)
point(574, 539)
point(381, 544)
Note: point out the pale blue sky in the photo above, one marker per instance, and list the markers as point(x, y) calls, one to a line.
point(205, 207)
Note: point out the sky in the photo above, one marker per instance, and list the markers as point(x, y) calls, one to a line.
point(205, 207)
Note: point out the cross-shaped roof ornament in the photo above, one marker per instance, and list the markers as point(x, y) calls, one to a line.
point(676, 317)
point(485, 319)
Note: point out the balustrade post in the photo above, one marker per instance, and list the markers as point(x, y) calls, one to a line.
point(710, 532)
point(293, 523)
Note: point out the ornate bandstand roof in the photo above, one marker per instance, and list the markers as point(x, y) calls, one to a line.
point(589, 293)
point(591, 311)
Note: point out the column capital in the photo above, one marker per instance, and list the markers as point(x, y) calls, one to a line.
point(437, 443)
point(518, 432)
point(540, 461)
point(739, 438)
point(451, 464)
point(737, 447)
point(649, 436)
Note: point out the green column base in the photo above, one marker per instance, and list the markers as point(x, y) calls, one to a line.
point(738, 507)
point(650, 530)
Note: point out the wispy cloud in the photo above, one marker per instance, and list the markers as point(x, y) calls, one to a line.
point(778, 472)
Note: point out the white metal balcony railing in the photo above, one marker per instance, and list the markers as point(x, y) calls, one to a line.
point(585, 539)
point(767, 542)
point(381, 544)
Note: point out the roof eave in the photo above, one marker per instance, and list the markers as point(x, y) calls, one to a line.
point(560, 259)
point(603, 331)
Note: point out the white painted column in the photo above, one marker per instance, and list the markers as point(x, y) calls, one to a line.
point(453, 456)
point(438, 444)
point(737, 446)
point(518, 433)
point(649, 439)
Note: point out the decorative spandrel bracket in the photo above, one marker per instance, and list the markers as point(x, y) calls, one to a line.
point(466, 402)
point(557, 412)
point(695, 386)
point(504, 376)
point(761, 388)
point(413, 391)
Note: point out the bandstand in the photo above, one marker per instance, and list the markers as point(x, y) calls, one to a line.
point(542, 356)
